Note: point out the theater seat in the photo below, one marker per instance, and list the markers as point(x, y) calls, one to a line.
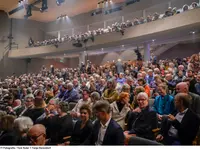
point(71, 105)
point(151, 101)
point(141, 141)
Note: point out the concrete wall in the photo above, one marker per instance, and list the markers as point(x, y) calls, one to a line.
point(22, 31)
point(181, 51)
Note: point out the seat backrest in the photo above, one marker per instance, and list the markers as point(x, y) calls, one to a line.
point(151, 102)
point(141, 141)
point(71, 105)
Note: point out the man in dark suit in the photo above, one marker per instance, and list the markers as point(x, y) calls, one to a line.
point(181, 129)
point(105, 130)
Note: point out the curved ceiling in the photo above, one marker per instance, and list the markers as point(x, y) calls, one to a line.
point(69, 8)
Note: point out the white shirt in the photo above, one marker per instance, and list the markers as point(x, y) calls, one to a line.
point(102, 132)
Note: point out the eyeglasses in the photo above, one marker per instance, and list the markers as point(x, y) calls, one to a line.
point(34, 138)
point(141, 100)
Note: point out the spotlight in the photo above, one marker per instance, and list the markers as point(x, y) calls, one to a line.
point(44, 5)
point(59, 2)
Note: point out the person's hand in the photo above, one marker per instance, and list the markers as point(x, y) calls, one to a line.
point(50, 115)
point(159, 137)
point(74, 114)
point(47, 112)
point(159, 117)
point(137, 110)
point(171, 117)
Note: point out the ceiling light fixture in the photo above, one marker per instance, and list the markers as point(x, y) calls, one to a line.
point(153, 40)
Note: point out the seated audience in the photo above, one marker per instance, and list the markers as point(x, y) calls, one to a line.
point(142, 120)
point(83, 127)
point(164, 103)
point(120, 108)
point(110, 94)
point(142, 82)
point(8, 135)
point(85, 100)
point(71, 95)
point(21, 126)
point(105, 130)
point(37, 135)
point(182, 128)
point(194, 99)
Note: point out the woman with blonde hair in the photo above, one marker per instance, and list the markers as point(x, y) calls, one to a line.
point(120, 108)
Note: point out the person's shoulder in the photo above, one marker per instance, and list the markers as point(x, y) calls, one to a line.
point(114, 124)
point(194, 95)
point(171, 97)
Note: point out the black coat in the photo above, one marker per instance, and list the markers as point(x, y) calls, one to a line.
point(187, 129)
point(58, 128)
point(34, 113)
point(80, 135)
point(8, 138)
point(143, 123)
point(114, 134)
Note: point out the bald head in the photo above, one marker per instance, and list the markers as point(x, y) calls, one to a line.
point(37, 135)
point(182, 87)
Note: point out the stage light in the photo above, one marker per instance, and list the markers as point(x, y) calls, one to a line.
point(59, 2)
point(44, 5)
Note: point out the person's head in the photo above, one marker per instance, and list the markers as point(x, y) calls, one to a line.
point(181, 67)
point(22, 125)
point(141, 82)
point(124, 97)
point(150, 72)
point(102, 110)
point(69, 86)
point(142, 100)
point(75, 82)
point(139, 75)
point(129, 81)
point(126, 88)
point(111, 84)
point(156, 71)
point(168, 77)
point(162, 89)
point(62, 107)
point(24, 91)
point(86, 94)
point(121, 75)
point(180, 73)
point(29, 100)
point(9, 99)
point(55, 87)
point(37, 135)
point(95, 96)
point(7, 123)
point(190, 73)
point(182, 87)
point(182, 101)
point(139, 89)
point(85, 112)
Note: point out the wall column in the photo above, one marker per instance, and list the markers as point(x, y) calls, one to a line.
point(147, 54)
point(82, 57)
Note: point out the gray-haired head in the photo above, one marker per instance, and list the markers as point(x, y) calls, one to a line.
point(95, 96)
point(69, 86)
point(142, 94)
point(23, 124)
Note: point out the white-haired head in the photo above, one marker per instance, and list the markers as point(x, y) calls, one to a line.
point(23, 124)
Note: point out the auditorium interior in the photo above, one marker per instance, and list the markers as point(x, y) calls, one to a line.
point(99, 72)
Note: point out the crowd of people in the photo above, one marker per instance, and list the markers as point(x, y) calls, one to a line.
point(112, 104)
point(116, 27)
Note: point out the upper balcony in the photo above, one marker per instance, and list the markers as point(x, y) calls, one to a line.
point(166, 30)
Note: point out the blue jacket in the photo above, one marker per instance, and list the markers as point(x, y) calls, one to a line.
point(164, 105)
point(71, 96)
